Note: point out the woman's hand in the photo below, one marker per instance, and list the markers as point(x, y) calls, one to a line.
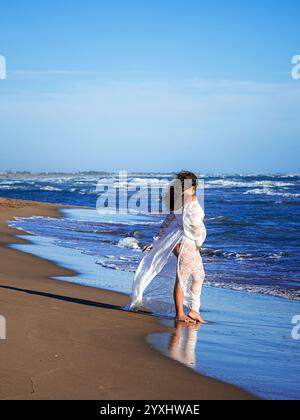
point(148, 248)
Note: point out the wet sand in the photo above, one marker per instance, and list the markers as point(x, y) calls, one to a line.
point(66, 341)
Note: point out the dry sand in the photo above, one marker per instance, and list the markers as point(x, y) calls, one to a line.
point(70, 342)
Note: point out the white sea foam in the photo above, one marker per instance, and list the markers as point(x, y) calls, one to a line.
point(218, 219)
point(243, 255)
point(129, 243)
point(49, 188)
point(243, 184)
point(105, 264)
point(264, 290)
point(271, 192)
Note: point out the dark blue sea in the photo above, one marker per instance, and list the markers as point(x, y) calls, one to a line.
point(253, 224)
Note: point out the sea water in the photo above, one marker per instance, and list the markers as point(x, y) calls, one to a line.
point(251, 259)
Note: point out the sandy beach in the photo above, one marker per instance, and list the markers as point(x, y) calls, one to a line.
point(66, 341)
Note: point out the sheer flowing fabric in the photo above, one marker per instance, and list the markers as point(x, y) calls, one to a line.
point(186, 229)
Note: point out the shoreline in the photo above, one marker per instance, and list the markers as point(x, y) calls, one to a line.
point(64, 340)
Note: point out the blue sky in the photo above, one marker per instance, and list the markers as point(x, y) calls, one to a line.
point(150, 85)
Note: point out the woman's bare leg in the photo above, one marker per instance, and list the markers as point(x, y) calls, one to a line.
point(198, 276)
point(179, 294)
point(179, 300)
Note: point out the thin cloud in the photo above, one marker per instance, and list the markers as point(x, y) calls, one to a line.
point(33, 74)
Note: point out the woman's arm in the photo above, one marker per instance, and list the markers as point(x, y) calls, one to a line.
point(165, 225)
point(194, 227)
point(163, 228)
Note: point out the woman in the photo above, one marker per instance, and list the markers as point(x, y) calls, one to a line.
point(182, 233)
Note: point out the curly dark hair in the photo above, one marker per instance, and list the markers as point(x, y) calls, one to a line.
point(188, 180)
point(185, 176)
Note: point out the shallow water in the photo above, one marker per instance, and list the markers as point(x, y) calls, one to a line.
point(248, 341)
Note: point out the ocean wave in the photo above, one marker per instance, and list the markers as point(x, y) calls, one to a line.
point(49, 188)
point(8, 187)
point(122, 264)
point(29, 188)
point(88, 192)
point(243, 184)
point(270, 192)
point(129, 243)
point(91, 186)
point(108, 265)
point(6, 182)
point(143, 182)
point(244, 255)
point(218, 219)
point(283, 293)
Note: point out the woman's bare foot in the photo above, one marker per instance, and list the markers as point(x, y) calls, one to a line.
point(195, 316)
point(182, 318)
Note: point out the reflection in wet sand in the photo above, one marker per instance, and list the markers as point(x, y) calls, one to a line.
point(183, 343)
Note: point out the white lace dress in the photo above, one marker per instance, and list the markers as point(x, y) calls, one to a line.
point(160, 266)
